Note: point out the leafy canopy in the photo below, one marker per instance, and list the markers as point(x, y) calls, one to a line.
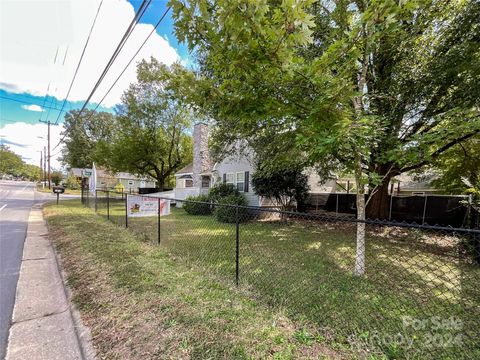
point(151, 133)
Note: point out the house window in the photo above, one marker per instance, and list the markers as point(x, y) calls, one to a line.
point(188, 183)
point(205, 181)
point(230, 178)
point(240, 181)
point(131, 182)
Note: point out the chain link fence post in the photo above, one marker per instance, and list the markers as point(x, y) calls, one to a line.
point(424, 209)
point(237, 245)
point(158, 221)
point(108, 205)
point(96, 200)
point(126, 210)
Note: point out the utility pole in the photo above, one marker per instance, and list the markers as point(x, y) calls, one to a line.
point(41, 164)
point(49, 174)
point(47, 159)
point(44, 165)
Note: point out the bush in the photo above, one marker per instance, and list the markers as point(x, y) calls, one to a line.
point(72, 183)
point(194, 208)
point(227, 214)
point(222, 190)
point(56, 177)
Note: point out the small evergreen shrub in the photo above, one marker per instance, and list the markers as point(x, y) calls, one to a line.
point(227, 214)
point(222, 190)
point(194, 208)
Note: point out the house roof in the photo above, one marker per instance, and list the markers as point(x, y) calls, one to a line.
point(78, 172)
point(186, 170)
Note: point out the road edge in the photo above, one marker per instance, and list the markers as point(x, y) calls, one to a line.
point(45, 326)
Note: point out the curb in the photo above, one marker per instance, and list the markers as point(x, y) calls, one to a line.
point(45, 325)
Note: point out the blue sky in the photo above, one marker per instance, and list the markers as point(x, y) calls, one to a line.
point(36, 55)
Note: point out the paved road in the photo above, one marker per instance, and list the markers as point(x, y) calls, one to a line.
point(16, 199)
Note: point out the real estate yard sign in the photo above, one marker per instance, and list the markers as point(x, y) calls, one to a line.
point(138, 206)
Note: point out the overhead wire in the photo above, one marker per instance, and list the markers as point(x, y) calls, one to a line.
point(133, 57)
point(27, 102)
point(126, 35)
point(141, 12)
point(80, 60)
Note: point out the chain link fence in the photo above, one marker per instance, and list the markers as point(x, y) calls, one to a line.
point(417, 298)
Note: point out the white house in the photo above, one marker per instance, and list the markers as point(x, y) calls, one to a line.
point(107, 180)
point(198, 177)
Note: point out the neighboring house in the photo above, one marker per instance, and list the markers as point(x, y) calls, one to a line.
point(414, 185)
point(107, 180)
point(198, 177)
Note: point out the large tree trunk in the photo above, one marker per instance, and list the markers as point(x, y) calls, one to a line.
point(379, 203)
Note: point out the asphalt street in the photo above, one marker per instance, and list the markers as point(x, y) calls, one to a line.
point(16, 200)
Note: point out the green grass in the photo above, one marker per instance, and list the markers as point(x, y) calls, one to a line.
point(142, 303)
point(67, 191)
point(305, 270)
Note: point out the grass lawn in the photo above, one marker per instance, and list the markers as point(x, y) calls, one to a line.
point(304, 270)
point(142, 303)
point(67, 191)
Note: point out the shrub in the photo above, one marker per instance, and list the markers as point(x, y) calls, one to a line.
point(227, 214)
point(56, 177)
point(72, 183)
point(286, 186)
point(194, 208)
point(222, 190)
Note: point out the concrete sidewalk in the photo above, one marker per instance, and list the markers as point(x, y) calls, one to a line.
point(43, 325)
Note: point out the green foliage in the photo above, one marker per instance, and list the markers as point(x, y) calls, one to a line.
point(85, 136)
point(57, 177)
point(226, 213)
point(12, 164)
point(459, 169)
point(194, 208)
point(152, 135)
point(285, 186)
point(72, 183)
point(380, 87)
point(221, 190)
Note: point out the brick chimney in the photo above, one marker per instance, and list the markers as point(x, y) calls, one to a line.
point(201, 155)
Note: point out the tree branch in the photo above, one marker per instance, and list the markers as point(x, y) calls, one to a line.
point(439, 151)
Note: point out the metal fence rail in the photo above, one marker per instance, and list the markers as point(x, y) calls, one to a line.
point(418, 298)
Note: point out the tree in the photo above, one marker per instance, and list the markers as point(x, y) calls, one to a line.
point(83, 135)
point(382, 87)
point(31, 172)
point(152, 136)
point(10, 163)
point(57, 177)
point(459, 168)
point(285, 186)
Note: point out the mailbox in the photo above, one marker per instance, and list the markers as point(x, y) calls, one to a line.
point(58, 189)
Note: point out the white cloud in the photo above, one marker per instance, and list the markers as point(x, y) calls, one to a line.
point(31, 32)
point(24, 139)
point(32, 108)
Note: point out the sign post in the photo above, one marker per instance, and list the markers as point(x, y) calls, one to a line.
point(58, 190)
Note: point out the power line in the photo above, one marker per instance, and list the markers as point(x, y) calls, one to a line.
point(133, 57)
point(45, 100)
point(141, 10)
point(80, 60)
point(126, 35)
point(28, 102)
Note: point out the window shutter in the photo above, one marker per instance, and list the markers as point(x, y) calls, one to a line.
point(246, 181)
point(225, 178)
